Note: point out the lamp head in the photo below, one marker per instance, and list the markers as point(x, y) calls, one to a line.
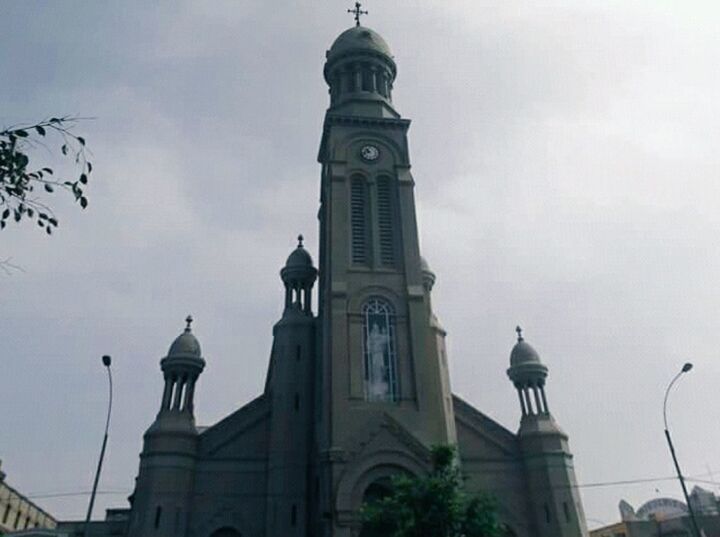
point(687, 367)
point(106, 360)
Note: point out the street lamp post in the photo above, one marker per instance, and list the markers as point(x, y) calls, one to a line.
point(106, 360)
point(685, 368)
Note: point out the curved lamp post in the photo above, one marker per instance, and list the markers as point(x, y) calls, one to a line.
point(685, 368)
point(106, 360)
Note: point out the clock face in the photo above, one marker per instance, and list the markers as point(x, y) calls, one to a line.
point(369, 152)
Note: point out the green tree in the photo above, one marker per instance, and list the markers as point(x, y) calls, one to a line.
point(25, 188)
point(434, 505)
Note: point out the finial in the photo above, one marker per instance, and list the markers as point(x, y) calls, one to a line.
point(518, 329)
point(189, 321)
point(357, 12)
point(300, 240)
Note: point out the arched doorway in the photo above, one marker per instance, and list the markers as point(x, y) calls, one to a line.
point(376, 491)
point(226, 532)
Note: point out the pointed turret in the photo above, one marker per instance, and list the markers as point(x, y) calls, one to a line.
point(552, 486)
point(290, 389)
point(161, 502)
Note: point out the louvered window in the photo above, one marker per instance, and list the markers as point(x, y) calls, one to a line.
point(358, 221)
point(386, 232)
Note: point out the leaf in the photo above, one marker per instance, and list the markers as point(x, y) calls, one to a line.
point(21, 133)
point(89, 165)
point(64, 149)
point(81, 140)
point(42, 216)
point(55, 120)
point(2, 224)
point(83, 202)
point(40, 130)
point(83, 179)
point(30, 212)
point(49, 188)
point(48, 230)
point(5, 214)
point(53, 221)
point(48, 170)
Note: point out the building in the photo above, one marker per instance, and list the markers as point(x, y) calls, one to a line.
point(359, 390)
point(17, 512)
point(666, 517)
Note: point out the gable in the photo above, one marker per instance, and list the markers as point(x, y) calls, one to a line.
point(480, 436)
point(242, 434)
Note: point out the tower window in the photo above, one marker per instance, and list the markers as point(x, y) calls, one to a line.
point(547, 513)
point(158, 515)
point(567, 511)
point(379, 350)
point(293, 516)
point(358, 221)
point(386, 232)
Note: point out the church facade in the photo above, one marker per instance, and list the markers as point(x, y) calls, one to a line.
point(358, 390)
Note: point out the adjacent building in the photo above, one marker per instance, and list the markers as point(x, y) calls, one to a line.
point(17, 512)
point(666, 517)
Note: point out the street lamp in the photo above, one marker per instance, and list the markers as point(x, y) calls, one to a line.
point(685, 368)
point(106, 360)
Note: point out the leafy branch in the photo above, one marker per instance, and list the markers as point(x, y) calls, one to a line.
point(20, 182)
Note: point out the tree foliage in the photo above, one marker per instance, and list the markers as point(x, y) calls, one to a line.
point(24, 188)
point(432, 506)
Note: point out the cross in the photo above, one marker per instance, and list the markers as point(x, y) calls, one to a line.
point(519, 333)
point(357, 12)
point(189, 321)
point(300, 241)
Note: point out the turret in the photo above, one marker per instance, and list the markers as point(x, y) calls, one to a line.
point(550, 475)
point(360, 72)
point(290, 388)
point(163, 489)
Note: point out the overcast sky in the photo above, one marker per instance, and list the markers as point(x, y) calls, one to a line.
point(567, 178)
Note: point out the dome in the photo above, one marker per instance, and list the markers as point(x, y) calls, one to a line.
point(523, 353)
point(185, 345)
point(300, 257)
point(358, 39)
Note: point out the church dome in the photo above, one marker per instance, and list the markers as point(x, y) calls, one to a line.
point(523, 353)
point(185, 345)
point(299, 258)
point(358, 39)
point(299, 266)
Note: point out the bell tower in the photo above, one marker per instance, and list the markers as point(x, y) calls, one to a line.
point(381, 351)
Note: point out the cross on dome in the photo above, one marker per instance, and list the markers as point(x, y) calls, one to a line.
point(300, 240)
point(518, 329)
point(357, 12)
point(188, 320)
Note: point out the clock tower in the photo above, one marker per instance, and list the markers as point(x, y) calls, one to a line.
point(383, 396)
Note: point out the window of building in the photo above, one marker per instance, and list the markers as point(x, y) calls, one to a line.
point(547, 513)
point(158, 515)
point(566, 509)
point(386, 229)
point(379, 350)
point(358, 221)
point(293, 516)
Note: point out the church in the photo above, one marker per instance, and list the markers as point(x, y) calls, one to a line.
point(358, 390)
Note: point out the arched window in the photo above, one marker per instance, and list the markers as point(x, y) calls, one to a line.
point(379, 350)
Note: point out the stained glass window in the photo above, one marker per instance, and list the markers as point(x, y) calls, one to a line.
point(379, 350)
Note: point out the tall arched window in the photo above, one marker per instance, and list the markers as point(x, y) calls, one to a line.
point(379, 350)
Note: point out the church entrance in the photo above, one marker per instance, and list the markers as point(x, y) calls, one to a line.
point(375, 492)
point(226, 532)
